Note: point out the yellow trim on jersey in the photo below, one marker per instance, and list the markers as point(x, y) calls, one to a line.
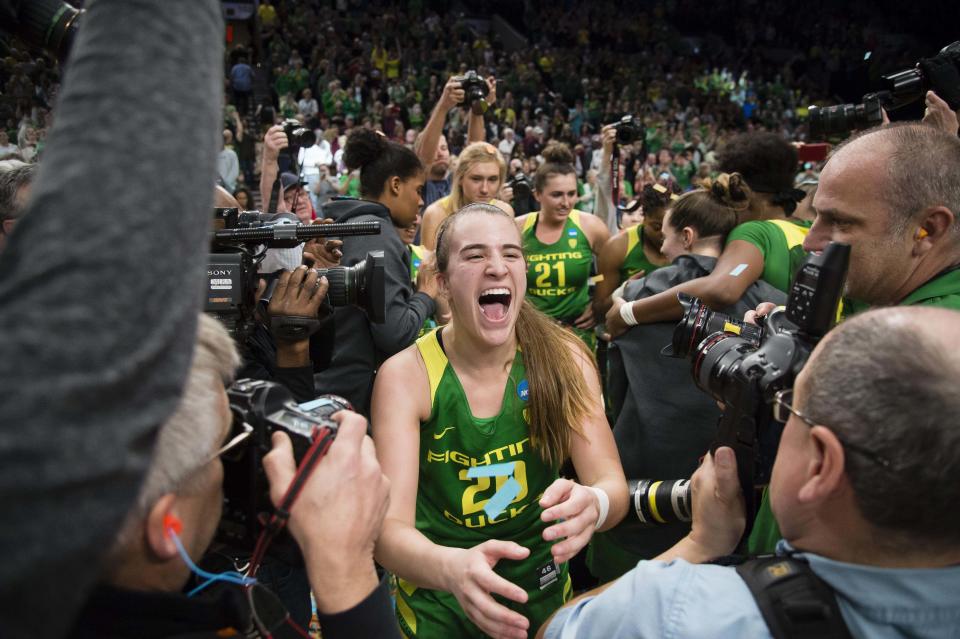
point(434, 359)
point(407, 614)
point(417, 250)
point(633, 238)
point(530, 221)
point(445, 204)
point(794, 234)
point(533, 217)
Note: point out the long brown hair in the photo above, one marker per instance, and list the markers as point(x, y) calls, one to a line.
point(559, 396)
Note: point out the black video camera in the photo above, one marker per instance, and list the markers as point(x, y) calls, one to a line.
point(259, 408)
point(743, 366)
point(475, 91)
point(940, 73)
point(628, 129)
point(238, 244)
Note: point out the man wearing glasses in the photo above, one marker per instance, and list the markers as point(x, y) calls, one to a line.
point(335, 521)
point(864, 487)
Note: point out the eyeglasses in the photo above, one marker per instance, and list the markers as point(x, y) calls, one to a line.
point(232, 451)
point(783, 408)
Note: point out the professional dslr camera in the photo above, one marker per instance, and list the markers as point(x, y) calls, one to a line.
point(940, 73)
point(298, 135)
point(475, 91)
point(238, 244)
point(258, 409)
point(521, 186)
point(743, 366)
point(628, 129)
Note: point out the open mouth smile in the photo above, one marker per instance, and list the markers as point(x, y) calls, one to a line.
point(494, 303)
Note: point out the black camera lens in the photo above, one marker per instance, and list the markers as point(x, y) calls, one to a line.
point(844, 118)
point(699, 321)
point(298, 135)
point(344, 283)
point(627, 130)
point(360, 285)
point(716, 363)
point(661, 502)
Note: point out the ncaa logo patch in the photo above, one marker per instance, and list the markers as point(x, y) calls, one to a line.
point(572, 232)
point(523, 390)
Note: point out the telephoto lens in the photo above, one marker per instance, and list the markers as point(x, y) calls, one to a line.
point(661, 502)
point(699, 322)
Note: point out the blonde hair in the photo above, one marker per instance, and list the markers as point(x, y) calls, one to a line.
point(476, 153)
point(559, 395)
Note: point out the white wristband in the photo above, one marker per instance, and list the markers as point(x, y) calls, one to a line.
point(603, 502)
point(626, 313)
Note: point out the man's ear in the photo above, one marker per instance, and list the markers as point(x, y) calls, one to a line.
point(935, 223)
point(824, 472)
point(160, 519)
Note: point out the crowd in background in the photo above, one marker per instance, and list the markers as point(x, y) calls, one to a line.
point(691, 76)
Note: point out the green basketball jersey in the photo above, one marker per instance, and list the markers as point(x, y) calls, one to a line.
point(635, 260)
point(558, 274)
point(416, 259)
point(480, 479)
point(781, 244)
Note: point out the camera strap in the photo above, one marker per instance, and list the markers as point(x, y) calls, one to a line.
point(615, 179)
point(794, 601)
point(293, 328)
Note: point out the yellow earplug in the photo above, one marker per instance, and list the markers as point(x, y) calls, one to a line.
point(921, 233)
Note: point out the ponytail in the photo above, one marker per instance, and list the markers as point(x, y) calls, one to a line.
point(559, 396)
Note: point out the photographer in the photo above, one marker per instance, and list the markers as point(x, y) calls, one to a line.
point(865, 413)
point(99, 324)
point(391, 180)
point(893, 194)
point(431, 145)
point(335, 520)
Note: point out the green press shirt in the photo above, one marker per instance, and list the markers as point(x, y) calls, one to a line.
point(558, 274)
point(781, 244)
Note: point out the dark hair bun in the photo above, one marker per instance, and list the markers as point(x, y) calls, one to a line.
point(731, 190)
point(558, 153)
point(363, 147)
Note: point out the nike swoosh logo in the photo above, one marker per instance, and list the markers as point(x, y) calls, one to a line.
point(443, 432)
